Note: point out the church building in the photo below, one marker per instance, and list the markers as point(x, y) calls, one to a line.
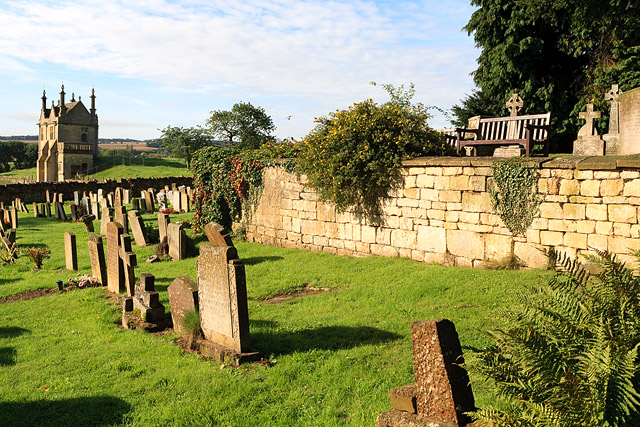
point(68, 138)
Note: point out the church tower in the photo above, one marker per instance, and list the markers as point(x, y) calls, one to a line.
point(67, 138)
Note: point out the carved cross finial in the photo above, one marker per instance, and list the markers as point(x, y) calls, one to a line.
point(612, 95)
point(589, 115)
point(514, 104)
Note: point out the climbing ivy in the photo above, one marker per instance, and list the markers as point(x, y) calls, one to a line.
point(515, 197)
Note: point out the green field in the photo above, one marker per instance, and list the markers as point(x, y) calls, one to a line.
point(333, 357)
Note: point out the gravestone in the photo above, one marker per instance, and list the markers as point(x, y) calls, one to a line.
point(147, 300)
point(88, 223)
point(137, 228)
point(42, 212)
point(115, 267)
point(184, 201)
point(100, 195)
point(589, 143)
point(86, 206)
point(74, 212)
point(183, 298)
point(48, 196)
point(76, 197)
point(129, 262)
point(95, 209)
point(70, 252)
point(162, 200)
point(120, 216)
point(177, 240)
point(216, 235)
point(135, 204)
point(441, 394)
point(118, 197)
point(110, 199)
point(222, 295)
point(47, 208)
point(14, 218)
point(61, 215)
point(96, 255)
point(127, 196)
point(629, 121)
point(163, 222)
point(104, 222)
point(612, 137)
point(60, 197)
point(176, 201)
point(36, 213)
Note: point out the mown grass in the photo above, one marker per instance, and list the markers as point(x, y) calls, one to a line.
point(138, 167)
point(335, 355)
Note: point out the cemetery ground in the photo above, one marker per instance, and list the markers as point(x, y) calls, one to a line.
point(330, 358)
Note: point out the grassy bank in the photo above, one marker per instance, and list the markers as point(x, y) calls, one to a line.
point(334, 355)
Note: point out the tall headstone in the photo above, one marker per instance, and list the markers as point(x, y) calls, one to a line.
point(96, 255)
point(184, 200)
point(104, 222)
point(177, 201)
point(76, 197)
point(70, 251)
point(36, 213)
point(129, 262)
point(148, 202)
point(95, 209)
point(115, 267)
point(177, 241)
point(589, 143)
point(14, 218)
point(127, 196)
point(183, 298)
point(442, 392)
point(137, 228)
point(74, 212)
point(135, 204)
point(163, 222)
point(222, 293)
point(47, 208)
point(612, 137)
point(120, 215)
point(118, 197)
point(630, 121)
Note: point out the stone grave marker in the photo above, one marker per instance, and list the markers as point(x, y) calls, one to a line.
point(163, 222)
point(48, 196)
point(70, 252)
point(177, 201)
point(135, 204)
point(61, 214)
point(183, 298)
point(87, 220)
point(74, 212)
point(629, 105)
point(222, 295)
point(120, 215)
point(118, 197)
point(177, 240)
point(100, 195)
point(47, 208)
point(184, 201)
point(115, 267)
point(589, 143)
point(86, 205)
point(129, 262)
point(96, 255)
point(76, 197)
point(216, 235)
point(14, 218)
point(162, 200)
point(148, 202)
point(147, 300)
point(42, 212)
point(106, 219)
point(442, 392)
point(127, 196)
point(61, 197)
point(137, 228)
point(110, 199)
point(95, 209)
point(36, 213)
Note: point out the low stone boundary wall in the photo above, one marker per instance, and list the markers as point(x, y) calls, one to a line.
point(36, 191)
point(443, 213)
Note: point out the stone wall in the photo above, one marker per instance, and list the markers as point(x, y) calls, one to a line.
point(36, 191)
point(443, 213)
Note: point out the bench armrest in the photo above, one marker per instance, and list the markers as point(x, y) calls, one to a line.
point(461, 131)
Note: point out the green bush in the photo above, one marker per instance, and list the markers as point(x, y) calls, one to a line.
point(571, 356)
point(353, 157)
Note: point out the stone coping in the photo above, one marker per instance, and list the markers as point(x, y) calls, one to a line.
point(631, 161)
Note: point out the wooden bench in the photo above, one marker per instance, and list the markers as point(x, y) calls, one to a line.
point(525, 131)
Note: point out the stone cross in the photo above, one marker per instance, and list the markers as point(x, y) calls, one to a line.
point(147, 300)
point(514, 104)
point(614, 116)
point(589, 115)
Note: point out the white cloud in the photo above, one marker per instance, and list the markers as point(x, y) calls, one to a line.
point(323, 52)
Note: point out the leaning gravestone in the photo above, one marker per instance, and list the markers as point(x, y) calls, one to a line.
point(137, 228)
point(177, 240)
point(222, 295)
point(88, 223)
point(441, 395)
point(96, 255)
point(629, 121)
point(163, 223)
point(70, 251)
point(183, 298)
point(36, 213)
point(14, 218)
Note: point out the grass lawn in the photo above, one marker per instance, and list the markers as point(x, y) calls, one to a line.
point(150, 167)
point(335, 355)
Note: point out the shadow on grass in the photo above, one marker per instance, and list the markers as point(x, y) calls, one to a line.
point(260, 259)
point(324, 338)
point(8, 356)
point(12, 331)
point(257, 323)
point(82, 411)
point(5, 281)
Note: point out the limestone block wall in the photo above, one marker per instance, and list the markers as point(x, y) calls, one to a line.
point(443, 214)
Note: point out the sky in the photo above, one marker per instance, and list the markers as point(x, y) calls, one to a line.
point(159, 63)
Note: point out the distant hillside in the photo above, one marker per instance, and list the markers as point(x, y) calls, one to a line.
point(100, 140)
point(19, 138)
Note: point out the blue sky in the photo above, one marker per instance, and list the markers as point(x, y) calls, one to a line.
point(155, 63)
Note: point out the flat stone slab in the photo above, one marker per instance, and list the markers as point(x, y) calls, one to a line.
point(437, 161)
point(568, 162)
point(395, 418)
point(218, 352)
point(598, 163)
point(404, 398)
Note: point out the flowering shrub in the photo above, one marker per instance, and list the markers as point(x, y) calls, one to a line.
point(167, 211)
point(353, 157)
point(82, 281)
point(38, 255)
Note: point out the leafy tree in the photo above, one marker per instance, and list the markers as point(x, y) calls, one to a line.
point(23, 155)
point(184, 142)
point(353, 157)
point(244, 125)
point(570, 355)
point(557, 54)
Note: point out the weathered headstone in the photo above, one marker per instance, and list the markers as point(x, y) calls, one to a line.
point(135, 204)
point(630, 121)
point(48, 195)
point(118, 197)
point(76, 197)
point(42, 212)
point(70, 251)
point(442, 392)
point(85, 204)
point(129, 262)
point(222, 295)
point(177, 202)
point(115, 267)
point(216, 235)
point(137, 228)
point(14, 218)
point(120, 215)
point(96, 255)
point(104, 222)
point(183, 298)
point(61, 214)
point(61, 197)
point(95, 209)
point(163, 222)
point(184, 201)
point(74, 212)
point(47, 208)
point(127, 196)
point(36, 213)
point(589, 143)
point(162, 200)
point(148, 202)
point(177, 240)
point(88, 223)
point(147, 300)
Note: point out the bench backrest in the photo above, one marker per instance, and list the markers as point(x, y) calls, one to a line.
point(497, 128)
